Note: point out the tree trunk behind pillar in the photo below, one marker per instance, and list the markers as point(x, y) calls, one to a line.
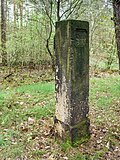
point(116, 9)
point(3, 32)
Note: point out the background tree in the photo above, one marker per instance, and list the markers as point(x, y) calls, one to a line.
point(102, 43)
point(55, 11)
point(3, 33)
point(116, 9)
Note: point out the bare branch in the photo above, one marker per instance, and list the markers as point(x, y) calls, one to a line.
point(73, 6)
point(46, 11)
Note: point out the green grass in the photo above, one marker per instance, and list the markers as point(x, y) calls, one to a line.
point(37, 100)
point(19, 102)
point(80, 156)
point(16, 105)
point(41, 87)
point(104, 96)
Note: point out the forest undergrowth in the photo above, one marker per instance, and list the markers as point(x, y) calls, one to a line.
point(27, 105)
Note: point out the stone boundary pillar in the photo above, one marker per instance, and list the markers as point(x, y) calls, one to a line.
point(72, 81)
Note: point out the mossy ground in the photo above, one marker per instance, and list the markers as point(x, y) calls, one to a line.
point(27, 104)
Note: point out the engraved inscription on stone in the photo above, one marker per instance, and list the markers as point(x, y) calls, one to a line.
point(80, 37)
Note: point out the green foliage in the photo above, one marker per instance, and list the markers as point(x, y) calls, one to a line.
point(27, 43)
point(38, 153)
point(102, 35)
point(79, 156)
point(66, 146)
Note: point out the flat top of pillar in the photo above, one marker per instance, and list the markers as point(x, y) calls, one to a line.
point(72, 22)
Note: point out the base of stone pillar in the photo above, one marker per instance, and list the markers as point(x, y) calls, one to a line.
point(74, 135)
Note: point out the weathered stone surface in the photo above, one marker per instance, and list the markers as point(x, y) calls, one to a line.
point(72, 80)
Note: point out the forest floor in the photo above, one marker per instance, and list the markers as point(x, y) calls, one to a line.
point(27, 105)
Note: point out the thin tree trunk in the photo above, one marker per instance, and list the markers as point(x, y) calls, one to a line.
point(21, 14)
point(116, 9)
point(21, 28)
point(14, 10)
point(3, 32)
point(58, 10)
